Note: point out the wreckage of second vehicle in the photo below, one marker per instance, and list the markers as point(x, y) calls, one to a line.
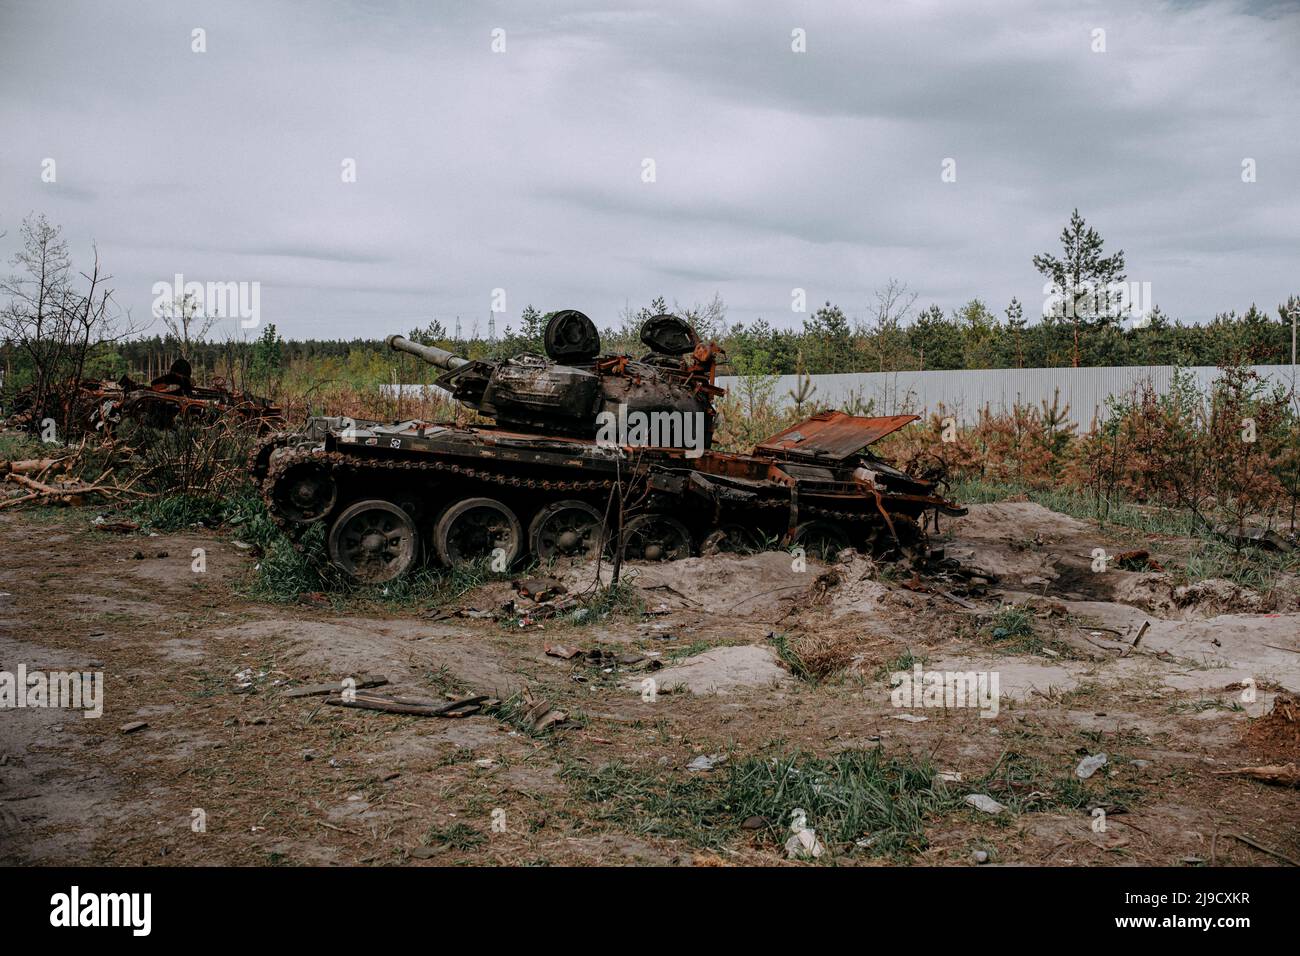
point(555, 476)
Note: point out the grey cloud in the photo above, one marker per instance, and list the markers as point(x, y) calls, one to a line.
point(521, 170)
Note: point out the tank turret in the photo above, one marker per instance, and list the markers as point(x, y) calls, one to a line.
point(567, 391)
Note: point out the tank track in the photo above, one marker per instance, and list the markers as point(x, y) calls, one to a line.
point(349, 465)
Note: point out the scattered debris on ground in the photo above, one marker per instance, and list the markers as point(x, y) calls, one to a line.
point(94, 406)
point(683, 723)
point(418, 706)
point(50, 481)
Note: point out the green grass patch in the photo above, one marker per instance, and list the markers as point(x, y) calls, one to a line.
point(1148, 519)
point(1024, 784)
point(795, 664)
point(1011, 628)
point(177, 512)
point(619, 599)
point(903, 662)
point(855, 795)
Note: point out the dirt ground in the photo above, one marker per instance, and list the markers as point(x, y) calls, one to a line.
point(283, 780)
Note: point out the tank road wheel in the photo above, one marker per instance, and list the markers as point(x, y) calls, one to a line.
point(566, 529)
point(374, 541)
point(820, 539)
point(478, 528)
point(655, 537)
point(306, 492)
point(731, 539)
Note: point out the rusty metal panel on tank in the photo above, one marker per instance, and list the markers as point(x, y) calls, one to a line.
point(832, 435)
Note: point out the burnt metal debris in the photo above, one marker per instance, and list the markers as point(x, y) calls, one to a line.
point(538, 481)
point(92, 405)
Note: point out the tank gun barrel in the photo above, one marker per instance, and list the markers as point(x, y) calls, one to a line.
point(434, 356)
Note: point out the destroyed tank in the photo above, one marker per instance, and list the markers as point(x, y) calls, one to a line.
point(586, 454)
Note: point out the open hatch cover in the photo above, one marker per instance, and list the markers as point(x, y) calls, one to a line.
point(832, 435)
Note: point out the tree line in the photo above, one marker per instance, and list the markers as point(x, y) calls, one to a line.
point(52, 327)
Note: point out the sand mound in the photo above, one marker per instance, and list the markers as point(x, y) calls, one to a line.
point(1009, 520)
point(850, 586)
point(1209, 598)
point(720, 584)
point(722, 670)
point(1275, 737)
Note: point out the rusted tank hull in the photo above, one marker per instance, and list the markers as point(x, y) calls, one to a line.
point(566, 474)
point(556, 497)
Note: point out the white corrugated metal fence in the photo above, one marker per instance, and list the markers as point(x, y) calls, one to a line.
point(964, 393)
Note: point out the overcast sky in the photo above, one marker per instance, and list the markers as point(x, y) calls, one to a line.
point(523, 170)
